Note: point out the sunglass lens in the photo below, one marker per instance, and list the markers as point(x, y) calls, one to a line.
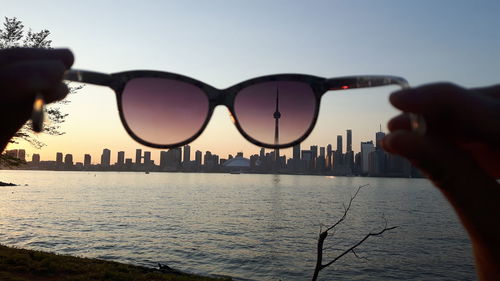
point(163, 111)
point(277, 112)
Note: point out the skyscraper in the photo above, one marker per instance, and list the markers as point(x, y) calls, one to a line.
point(138, 157)
point(87, 160)
point(105, 157)
point(339, 145)
point(366, 148)
point(197, 157)
point(121, 158)
point(314, 155)
point(59, 158)
point(147, 158)
point(35, 158)
point(329, 154)
point(68, 160)
point(349, 140)
point(378, 138)
point(187, 153)
point(296, 152)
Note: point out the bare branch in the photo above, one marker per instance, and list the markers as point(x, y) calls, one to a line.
point(357, 244)
point(346, 209)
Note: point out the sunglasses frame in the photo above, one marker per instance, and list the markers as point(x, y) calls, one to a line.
point(226, 97)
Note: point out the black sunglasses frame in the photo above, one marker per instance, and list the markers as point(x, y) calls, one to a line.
point(319, 85)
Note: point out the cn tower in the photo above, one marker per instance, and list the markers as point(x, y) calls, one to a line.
point(277, 116)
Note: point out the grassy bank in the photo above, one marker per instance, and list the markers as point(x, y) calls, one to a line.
point(20, 264)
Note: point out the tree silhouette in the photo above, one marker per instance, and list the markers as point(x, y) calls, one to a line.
point(324, 234)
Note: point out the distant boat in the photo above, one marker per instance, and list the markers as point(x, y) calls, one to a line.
point(147, 172)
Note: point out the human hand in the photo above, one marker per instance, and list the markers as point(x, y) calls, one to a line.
point(24, 72)
point(460, 153)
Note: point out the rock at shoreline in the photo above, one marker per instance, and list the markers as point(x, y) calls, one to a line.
point(7, 184)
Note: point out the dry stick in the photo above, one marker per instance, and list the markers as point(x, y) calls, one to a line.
point(324, 234)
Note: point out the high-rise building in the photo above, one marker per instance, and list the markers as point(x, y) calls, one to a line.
point(163, 160)
point(366, 148)
point(147, 158)
point(87, 160)
point(349, 140)
point(173, 158)
point(35, 159)
point(121, 158)
point(105, 157)
point(296, 152)
point(197, 157)
point(59, 158)
point(329, 154)
point(187, 153)
point(68, 160)
point(378, 138)
point(339, 145)
point(314, 155)
point(262, 153)
point(138, 157)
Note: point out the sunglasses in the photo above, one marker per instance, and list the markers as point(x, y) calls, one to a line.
point(166, 110)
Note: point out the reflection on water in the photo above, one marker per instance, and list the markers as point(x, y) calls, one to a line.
point(257, 227)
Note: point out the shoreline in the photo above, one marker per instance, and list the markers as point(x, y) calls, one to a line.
point(24, 264)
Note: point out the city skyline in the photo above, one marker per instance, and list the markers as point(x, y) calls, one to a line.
point(155, 153)
point(372, 161)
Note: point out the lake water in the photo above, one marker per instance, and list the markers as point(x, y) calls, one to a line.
point(250, 227)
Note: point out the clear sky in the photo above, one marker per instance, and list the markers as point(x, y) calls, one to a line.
point(225, 42)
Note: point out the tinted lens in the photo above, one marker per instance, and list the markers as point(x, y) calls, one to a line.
point(278, 112)
point(163, 111)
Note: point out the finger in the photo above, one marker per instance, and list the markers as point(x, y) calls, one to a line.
point(13, 55)
point(22, 80)
point(491, 91)
point(447, 166)
point(452, 111)
point(400, 122)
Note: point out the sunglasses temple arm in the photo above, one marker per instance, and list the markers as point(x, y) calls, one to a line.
point(90, 77)
point(354, 82)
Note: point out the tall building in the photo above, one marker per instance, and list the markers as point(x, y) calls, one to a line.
point(163, 160)
point(339, 145)
point(174, 158)
point(378, 138)
point(329, 154)
point(121, 158)
point(138, 157)
point(35, 159)
point(147, 159)
point(87, 160)
point(68, 160)
point(366, 148)
point(59, 158)
point(187, 154)
point(296, 152)
point(105, 157)
point(349, 140)
point(314, 155)
point(197, 157)
point(262, 153)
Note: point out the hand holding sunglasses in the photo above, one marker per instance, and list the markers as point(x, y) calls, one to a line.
point(165, 110)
